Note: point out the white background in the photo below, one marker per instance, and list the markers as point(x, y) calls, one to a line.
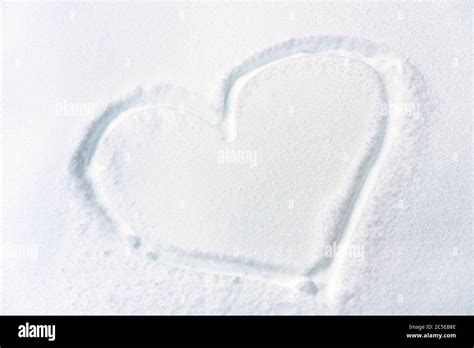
point(96, 53)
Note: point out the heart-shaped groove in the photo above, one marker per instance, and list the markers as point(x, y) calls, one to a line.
point(397, 80)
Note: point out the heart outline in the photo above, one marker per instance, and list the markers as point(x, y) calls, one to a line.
point(391, 70)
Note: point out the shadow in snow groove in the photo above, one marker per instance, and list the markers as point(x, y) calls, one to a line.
point(400, 81)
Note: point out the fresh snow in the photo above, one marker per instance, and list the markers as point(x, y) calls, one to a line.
point(275, 158)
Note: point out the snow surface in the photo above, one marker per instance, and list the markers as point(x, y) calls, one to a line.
point(315, 158)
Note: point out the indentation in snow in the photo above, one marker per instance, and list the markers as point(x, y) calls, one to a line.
point(278, 168)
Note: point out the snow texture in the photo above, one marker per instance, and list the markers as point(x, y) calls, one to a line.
point(327, 173)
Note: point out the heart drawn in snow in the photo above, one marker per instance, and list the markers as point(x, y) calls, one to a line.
point(261, 184)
